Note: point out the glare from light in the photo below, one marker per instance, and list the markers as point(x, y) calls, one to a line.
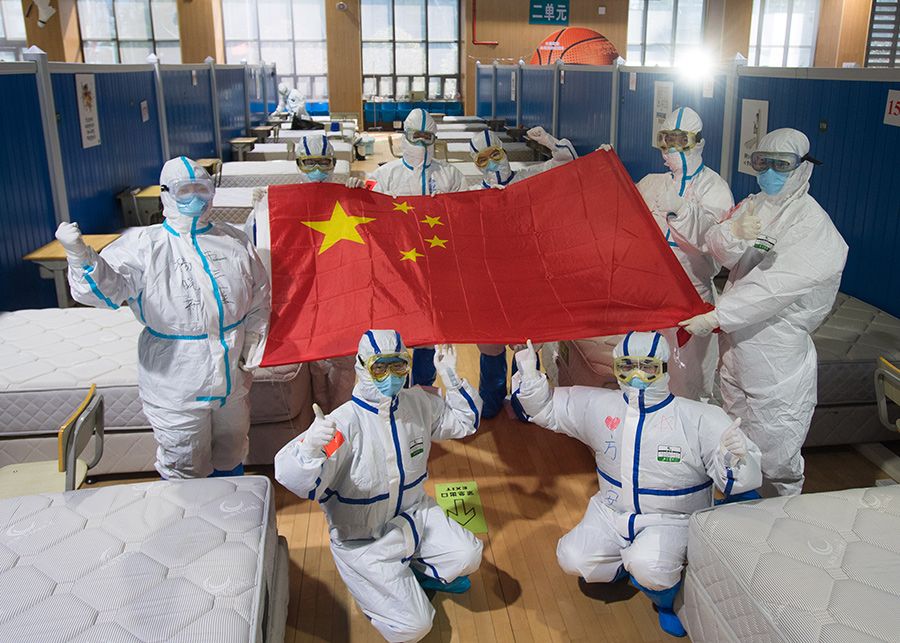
point(696, 65)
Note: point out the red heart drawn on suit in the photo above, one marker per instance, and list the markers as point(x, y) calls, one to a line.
point(612, 423)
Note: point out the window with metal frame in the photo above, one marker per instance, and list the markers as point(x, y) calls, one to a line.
point(288, 33)
point(783, 33)
point(12, 30)
point(883, 48)
point(410, 49)
point(127, 31)
point(665, 32)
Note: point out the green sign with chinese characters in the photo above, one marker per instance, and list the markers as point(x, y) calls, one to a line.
point(460, 501)
point(548, 12)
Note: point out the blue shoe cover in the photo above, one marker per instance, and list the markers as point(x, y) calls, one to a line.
point(459, 585)
point(740, 497)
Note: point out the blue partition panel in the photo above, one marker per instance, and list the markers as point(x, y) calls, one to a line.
point(317, 107)
point(26, 203)
point(232, 115)
point(858, 181)
point(506, 106)
point(585, 100)
point(484, 89)
point(189, 113)
point(537, 96)
point(130, 150)
point(635, 132)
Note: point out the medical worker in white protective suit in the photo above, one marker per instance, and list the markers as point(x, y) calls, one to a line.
point(418, 173)
point(701, 199)
point(283, 92)
point(657, 458)
point(202, 294)
point(490, 157)
point(332, 379)
point(296, 105)
point(785, 259)
point(366, 464)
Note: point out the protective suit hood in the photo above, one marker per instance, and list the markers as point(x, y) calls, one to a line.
point(788, 140)
point(653, 344)
point(684, 166)
point(416, 155)
point(480, 142)
point(182, 169)
point(315, 145)
point(374, 342)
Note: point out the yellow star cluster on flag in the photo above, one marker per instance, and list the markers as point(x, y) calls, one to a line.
point(343, 227)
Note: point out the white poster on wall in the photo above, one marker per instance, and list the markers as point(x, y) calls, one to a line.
point(662, 106)
point(86, 91)
point(754, 125)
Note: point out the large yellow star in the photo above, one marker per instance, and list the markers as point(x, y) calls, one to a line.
point(431, 221)
point(403, 207)
point(411, 255)
point(339, 227)
point(436, 242)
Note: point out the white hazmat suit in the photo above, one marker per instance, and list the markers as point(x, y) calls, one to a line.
point(418, 172)
point(700, 198)
point(296, 106)
point(383, 525)
point(283, 92)
point(657, 458)
point(773, 301)
point(202, 295)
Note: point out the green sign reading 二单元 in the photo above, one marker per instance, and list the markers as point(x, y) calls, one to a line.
point(548, 12)
point(461, 502)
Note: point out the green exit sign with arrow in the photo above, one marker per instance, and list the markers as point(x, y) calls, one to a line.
point(461, 502)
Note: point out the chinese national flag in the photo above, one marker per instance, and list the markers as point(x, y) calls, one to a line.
point(570, 253)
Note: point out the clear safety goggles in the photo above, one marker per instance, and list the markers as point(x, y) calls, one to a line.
point(677, 139)
point(485, 156)
point(309, 164)
point(383, 365)
point(185, 190)
point(420, 136)
point(779, 161)
point(647, 369)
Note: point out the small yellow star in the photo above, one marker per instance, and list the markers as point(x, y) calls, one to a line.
point(339, 227)
point(403, 207)
point(411, 255)
point(436, 242)
point(431, 221)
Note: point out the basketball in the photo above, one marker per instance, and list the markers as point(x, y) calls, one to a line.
point(575, 45)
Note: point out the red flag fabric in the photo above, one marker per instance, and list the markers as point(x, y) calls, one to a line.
point(570, 253)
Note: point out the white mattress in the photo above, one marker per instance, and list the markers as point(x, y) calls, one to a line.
point(194, 560)
point(515, 151)
point(445, 126)
point(249, 174)
point(49, 358)
point(848, 343)
point(457, 135)
point(818, 567)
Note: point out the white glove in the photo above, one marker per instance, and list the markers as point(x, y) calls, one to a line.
point(701, 325)
point(498, 186)
point(733, 444)
point(445, 365)
point(527, 360)
point(69, 237)
point(355, 182)
point(747, 226)
point(320, 433)
point(259, 193)
point(251, 356)
point(539, 135)
point(605, 147)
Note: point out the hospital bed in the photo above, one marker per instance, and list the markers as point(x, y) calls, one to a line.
point(461, 127)
point(50, 358)
point(816, 567)
point(271, 152)
point(453, 136)
point(231, 205)
point(248, 174)
point(190, 560)
point(343, 151)
point(460, 119)
point(515, 152)
point(848, 343)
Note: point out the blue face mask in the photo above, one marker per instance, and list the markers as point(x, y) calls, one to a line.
point(391, 385)
point(193, 208)
point(638, 383)
point(317, 176)
point(493, 166)
point(771, 182)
